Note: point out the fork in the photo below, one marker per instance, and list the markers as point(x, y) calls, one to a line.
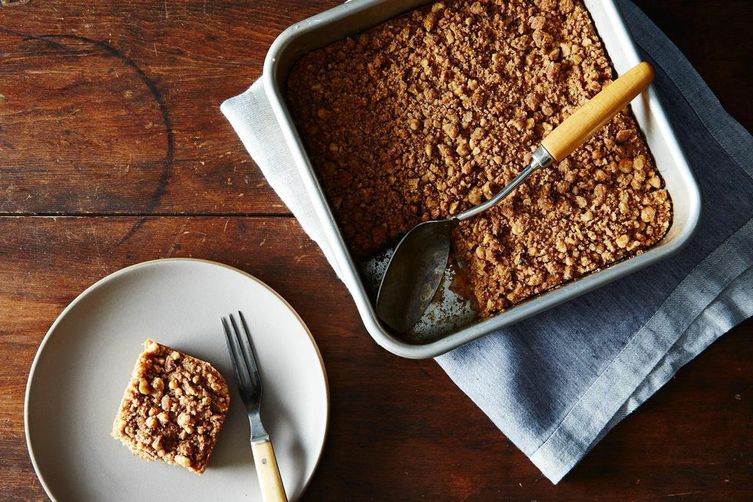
point(247, 376)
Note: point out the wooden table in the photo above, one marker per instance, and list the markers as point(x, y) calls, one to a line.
point(113, 151)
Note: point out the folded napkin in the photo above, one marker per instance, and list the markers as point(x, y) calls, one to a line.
point(557, 383)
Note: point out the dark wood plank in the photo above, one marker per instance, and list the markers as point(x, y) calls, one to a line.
point(113, 108)
point(399, 429)
point(715, 36)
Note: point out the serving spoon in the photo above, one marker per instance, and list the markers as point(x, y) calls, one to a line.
point(417, 266)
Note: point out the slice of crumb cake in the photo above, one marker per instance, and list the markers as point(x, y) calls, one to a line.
point(173, 408)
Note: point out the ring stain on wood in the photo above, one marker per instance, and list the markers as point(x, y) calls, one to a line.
point(78, 46)
point(77, 163)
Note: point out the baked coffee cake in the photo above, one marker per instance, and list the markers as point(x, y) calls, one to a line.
point(173, 408)
point(432, 112)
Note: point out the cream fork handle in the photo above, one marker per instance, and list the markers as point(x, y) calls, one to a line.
point(268, 472)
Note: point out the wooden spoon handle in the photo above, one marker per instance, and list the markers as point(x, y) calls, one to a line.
point(268, 472)
point(582, 124)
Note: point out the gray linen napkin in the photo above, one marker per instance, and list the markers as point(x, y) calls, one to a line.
point(557, 383)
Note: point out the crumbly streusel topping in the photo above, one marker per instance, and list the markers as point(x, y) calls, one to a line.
point(433, 112)
point(173, 408)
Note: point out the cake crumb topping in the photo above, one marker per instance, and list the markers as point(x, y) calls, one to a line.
point(173, 408)
point(432, 112)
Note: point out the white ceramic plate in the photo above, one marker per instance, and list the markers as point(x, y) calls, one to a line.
point(84, 363)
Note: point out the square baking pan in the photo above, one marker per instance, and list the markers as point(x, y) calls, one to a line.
point(451, 321)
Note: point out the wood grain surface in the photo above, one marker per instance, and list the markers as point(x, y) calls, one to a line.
point(113, 151)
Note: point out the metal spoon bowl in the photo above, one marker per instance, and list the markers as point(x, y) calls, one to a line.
point(417, 266)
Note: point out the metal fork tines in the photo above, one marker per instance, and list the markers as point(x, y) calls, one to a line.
point(247, 375)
